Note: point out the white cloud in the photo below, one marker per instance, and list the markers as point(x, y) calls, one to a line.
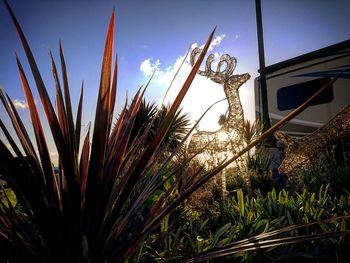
point(165, 76)
point(216, 42)
point(20, 104)
point(148, 68)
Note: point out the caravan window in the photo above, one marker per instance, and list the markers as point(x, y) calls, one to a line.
point(293, 96)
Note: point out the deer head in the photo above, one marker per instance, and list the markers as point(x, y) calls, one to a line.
point(224, 71)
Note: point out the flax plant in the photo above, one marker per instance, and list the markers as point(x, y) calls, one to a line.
point(95, 209)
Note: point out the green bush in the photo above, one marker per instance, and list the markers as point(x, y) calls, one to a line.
point(325, 170)
point(241, 218)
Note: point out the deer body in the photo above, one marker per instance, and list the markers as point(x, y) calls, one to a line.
point(228, 140)
point(302, 152)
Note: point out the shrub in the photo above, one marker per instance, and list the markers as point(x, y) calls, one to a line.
point(242, 218)
point(325, 170)
point(96, 209)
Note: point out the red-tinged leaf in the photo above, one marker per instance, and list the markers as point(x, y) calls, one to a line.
point(17, 229)
point(49, 175)
point(119, 152)
point(128, 122)
point(6, 164)
point(110, 191)
point(162, 200)
point(68, 165)
point(113, 141)
point(7, 158)
point(10, 140)
point(78, 120)
point(67, 100)
point(72, 176)
point(120, 148)
point(59, 110)
point(84, 162)
point(113, 138)
point(18, 126)
point(35, 168)
point(100, 136)
point(45, 100)
point(101, 132)
point(122, 141)
point(5, 154)
point(44, 213)
point(259, 241)
point(113, 92)
point(59, 99)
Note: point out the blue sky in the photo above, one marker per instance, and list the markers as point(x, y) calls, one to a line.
point(155, 34)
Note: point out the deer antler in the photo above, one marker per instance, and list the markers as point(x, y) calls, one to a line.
point(208, 72)
point(230, 64)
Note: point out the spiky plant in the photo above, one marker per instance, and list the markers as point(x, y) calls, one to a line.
point(178, 129)
point(150, 113)
point(95, 209)
point(144, 117)
point(251, 130)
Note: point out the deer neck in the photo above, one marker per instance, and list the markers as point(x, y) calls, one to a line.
point(235, 111)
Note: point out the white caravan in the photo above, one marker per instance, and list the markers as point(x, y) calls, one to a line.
point(292, 82)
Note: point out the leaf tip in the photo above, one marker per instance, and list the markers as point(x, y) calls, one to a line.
point(212, 33)
point(112, 16)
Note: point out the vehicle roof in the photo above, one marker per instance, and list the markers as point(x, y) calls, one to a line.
point(308, 56)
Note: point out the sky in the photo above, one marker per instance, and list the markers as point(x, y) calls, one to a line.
point(154, 35)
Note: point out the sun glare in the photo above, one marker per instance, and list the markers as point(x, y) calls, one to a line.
point(204, 93)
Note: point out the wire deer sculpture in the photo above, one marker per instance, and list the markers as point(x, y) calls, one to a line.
point(303, 151)
point(229, 139)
